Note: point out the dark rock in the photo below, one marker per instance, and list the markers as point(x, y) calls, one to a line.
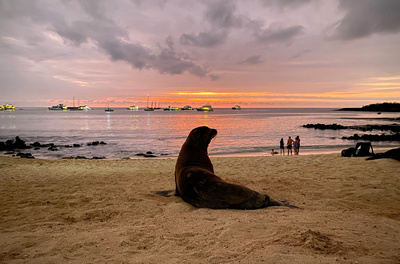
point(53, 148)
point(98, 157)
point(36, 144)
point(37, 148)
point(323, 126)
point(67, 146)
point(103, 143)
point(76, 145)
point(149, 155)
point(140, 154)
point(19, 143)
point(94, 143)
point(25, 155)
point(81, 157)
point(369, 137)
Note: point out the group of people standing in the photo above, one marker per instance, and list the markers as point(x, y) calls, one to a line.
point(290, 144)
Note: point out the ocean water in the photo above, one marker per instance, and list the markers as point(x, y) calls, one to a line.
point(240, 132)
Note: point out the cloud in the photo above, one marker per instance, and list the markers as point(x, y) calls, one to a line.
point(205, 39)
point(366, 17)
point(277, 34)
point(221, 14)
point(256, 59)
point(96, 28)
point(286, 3)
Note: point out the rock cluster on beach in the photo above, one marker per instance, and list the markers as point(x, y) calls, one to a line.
point(13, 147)
point(17, 144)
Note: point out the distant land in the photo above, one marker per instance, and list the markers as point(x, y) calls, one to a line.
point(382, 107)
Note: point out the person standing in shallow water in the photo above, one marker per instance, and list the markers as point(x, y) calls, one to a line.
point(289, 145)
point(295, 146)
point(298, 145)
point(282, 147)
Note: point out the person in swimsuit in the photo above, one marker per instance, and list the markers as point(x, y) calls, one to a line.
point(295, 146)
point(282, 146)
point(289, 145)
point(298, 145)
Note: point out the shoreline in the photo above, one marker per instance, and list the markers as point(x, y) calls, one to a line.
point(304, 152)
point(88, 211)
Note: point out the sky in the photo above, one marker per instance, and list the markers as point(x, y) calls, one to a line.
point(255, 53)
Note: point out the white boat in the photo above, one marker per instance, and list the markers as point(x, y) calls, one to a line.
point(84, 107)
point(205, 108)
point(171, 108)
point(133, 108)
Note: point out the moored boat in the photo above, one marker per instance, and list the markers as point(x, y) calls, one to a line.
point(236, 107)
point(187, 107)
point(108, 109)
point(7, 107)
point(147, 106)
point(205, 108)
point(58, 107)
point(133, 108)
point(171, 108)
point(84, 107)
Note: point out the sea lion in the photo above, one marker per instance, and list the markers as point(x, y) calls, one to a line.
point(197, 184)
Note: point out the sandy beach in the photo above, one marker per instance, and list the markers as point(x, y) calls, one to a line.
point(106, 211)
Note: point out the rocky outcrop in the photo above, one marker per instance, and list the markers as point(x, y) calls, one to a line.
point(12, 144)
point(392, 127)
point(383, 107)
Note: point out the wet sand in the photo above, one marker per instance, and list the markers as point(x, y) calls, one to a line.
point(105, 211)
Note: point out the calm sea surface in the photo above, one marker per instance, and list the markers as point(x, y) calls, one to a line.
point(243, 132)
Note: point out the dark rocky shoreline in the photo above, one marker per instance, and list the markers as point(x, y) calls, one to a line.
point(392, 127)
point(394, 130)
point(382, 107)
point(16, 147)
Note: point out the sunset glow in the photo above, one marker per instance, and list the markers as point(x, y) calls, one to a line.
point(252, 53)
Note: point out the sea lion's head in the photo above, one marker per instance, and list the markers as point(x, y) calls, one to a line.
point(202, 136)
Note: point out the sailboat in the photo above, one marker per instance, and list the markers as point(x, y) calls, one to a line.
point(73, 107)
point(147, 107)
point(108, 109)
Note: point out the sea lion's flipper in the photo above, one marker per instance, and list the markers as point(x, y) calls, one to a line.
point(287, 204)
point(168, 193)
